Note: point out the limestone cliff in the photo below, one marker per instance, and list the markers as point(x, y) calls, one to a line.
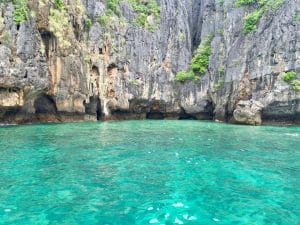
point(110, 59)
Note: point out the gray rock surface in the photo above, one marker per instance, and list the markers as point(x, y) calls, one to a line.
point(248, 112)
point(125, 71)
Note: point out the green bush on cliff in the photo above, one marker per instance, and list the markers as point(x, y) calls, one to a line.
point(21, 11)
point(221, 2)
point(261, 6)
point(199, 62)
point(113, 6)
point(59, 4)
point(186, 75)
point(59, 25)
point(297, 15)
point(219, 84)
point(296, 85)
point(251, 21)
point(201, 59)
point(244, 2)
point(105, 19)
point(112, 9)
point(221, 70)
point(88, 23)
point(147, 13)
point(287, 76)
point(7, 1)
point(145, 10)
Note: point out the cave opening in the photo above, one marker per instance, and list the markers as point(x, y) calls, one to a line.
point(93, 107)
point(45, 104)
point(49, 41)
point(183, 115)
point(95, 71)
point(155, 115)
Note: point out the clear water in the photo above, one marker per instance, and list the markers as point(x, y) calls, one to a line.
point(149, 172)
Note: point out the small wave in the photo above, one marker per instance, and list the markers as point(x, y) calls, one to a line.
point(7, 124)
point(178, 221)
point(187, 217)
point(154, 221)
point(178, 204)
point(291, 134)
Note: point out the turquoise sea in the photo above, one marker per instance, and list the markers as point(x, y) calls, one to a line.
point(149, 172)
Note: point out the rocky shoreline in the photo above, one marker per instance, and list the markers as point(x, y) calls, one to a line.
point(64, 118)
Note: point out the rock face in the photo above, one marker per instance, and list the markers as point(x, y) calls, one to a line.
point(67, 63)
point(248, 112)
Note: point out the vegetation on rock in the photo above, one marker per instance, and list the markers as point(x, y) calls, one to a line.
point(218, 84)
point(105, 19)
point(261, 7)
point(296, 85)
point(201, 59)
point(112, 9)
point(88, 23)
point(221, 70)
point(145, 10)
point(147, 13)
point(21, 11)
point(199, 62)
point(297, 15)
point(287, 76)
point(59, 4)
point(186, 75)
point(251, 21)
point(59, 25)
point(244, 2)
point(221, 2)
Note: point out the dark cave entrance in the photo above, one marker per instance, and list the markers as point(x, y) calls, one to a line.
point(49, 41)
point(93, 107)
point(45, 104)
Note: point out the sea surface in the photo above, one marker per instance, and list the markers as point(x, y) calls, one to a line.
point(149, 172)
